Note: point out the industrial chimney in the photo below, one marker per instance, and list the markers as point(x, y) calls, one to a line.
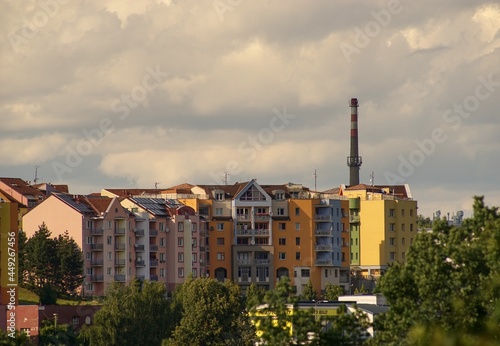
point(354, 160)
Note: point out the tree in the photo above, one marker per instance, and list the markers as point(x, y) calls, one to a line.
point(423, 222)
point(19, 339)
point(21, 255)
point(345, 328)
point(136, 314)
point(254, 296)
point(212, 314)
point(448, 285)
point(70, 259)
point(332, 292)
point(309, 293)
point(55, 335)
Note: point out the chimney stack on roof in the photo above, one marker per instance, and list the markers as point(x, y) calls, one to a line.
point(354, 160)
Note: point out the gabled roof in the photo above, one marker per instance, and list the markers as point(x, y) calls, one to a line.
point(77, 202)
point(98, 203)
point(22, 187)
point(132, 192)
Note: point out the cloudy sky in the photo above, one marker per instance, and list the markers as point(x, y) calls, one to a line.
point(113, 93)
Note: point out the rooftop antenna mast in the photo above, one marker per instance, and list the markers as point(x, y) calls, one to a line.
point(156, 188)
point(36, 175)
point(226, 177)
point(315, 175)
point(372, 179)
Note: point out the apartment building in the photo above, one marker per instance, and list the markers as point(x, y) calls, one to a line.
point(383, 224)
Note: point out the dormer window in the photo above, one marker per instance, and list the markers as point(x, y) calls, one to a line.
point(279, 195)
point(219, 195)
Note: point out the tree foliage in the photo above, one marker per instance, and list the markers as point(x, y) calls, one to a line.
point(52, 265)
point(212, 314)
point(51, 334)
point(309, 293)
point(137, 314)
point(254, 296)
point(332, 292)
point(448, 286)
point(19, 339)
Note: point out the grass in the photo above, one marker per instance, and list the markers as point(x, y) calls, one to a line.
point(26, 297)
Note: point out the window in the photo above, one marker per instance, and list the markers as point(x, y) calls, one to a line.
point(90, 287)
point(180, 272)
point(220, 256)
point(392, 226)
point(402, 212)
point(26, 331)
point(180, 226)
point(297, 211)
point(110, 225)
point(281, 226)
point(282, 241)
point(297, 240)
point(297, 255)
point(392, 212)
point(194, 227)
point(305, 273)
point(343, 256)
point(88, 256)
point(162, 226)
point(392, 241)
point(280, 196)
point(261, 211)
point(162, 241)
point(89, 224)
point(110, 256)
point(180, 241)
point(162, 257)
point(194, 242)
point(411, 227)
point(392, 256)
point(336, 273)
point(162, 272)
point(180, 257)
point(218, 211)
point(411, 212)
point(195, 272)
point(403, 227)
point(402, 241)
point(109, 240)
point(297, 226)
point(282, 255)
point(195, 258)
point(326, 273)
point(219, 196)
point(75, 320)
point(220, 241)
point(220, 226)
point(280, 211)
point(403, 255)
point(109, 271)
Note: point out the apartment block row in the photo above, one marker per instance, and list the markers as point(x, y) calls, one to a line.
point(245, 232)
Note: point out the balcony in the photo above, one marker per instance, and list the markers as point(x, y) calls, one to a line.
point(153, 232)
point(96, 247)
point(120, 278)
point(120, 246)
point(323, 262)
point(153, 247)
point(326, 217)
point(202, 248)
point(243, 217)
point(97, 262)
point(153, 263)
point(119, 230)
point(262, 217)
point(140, 263)
point(139, 247)
point(323, 232)
point(354, 218)
point(97, 278)
point(119, 262)
point(203, 233)
point(245, 261)
point(153, 277)
point(262, 261)
point(323, 247)
point(139, 232)
point(261, 232)
point(96, 231)
point(242, 232)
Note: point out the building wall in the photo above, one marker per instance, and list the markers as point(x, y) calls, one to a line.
point(8, 253)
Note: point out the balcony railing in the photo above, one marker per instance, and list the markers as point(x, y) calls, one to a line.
point(120, 246)
point(139, 247)
point(153, 247)
point(153, 232)
point(261, 232)
point(96, 247)
point(120, 278)
point(243, 261)
point(140, 263)
point(153, 263)
point(97, 262)
point(96, 231)
point(153, 277)
point(247, 232)
point(119, 230)
point(97, 278)
point(323, 262)
point(262, 261)
point(243, 217)
point(119, 262)
point(354, 218)
point(261, 217)
point(325, 247)
point(323, 232)
point(139, 232)
point(326, 217)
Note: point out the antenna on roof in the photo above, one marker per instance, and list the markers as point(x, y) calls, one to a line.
point(226, 176)
point(372, 179)
point(315, 180)
point(156, 188)
point(36, 175)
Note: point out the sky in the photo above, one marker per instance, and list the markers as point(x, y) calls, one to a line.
point(136, 94)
